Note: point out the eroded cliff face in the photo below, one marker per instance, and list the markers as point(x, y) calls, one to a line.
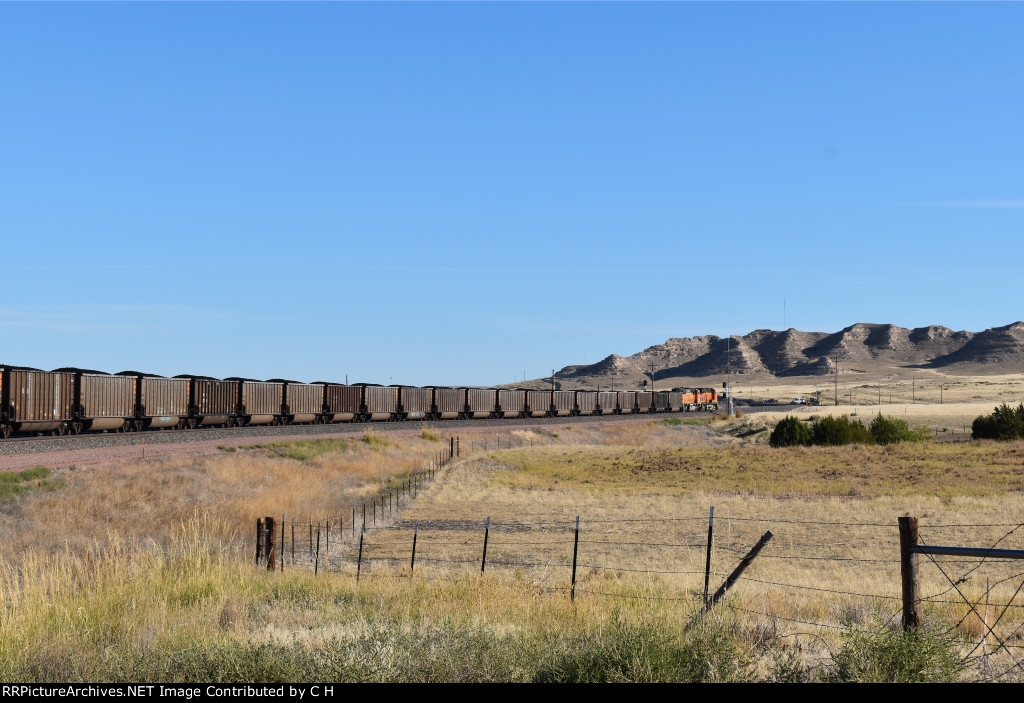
point(863, 347)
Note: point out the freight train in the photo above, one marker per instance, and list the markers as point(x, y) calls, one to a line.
point(71, 401)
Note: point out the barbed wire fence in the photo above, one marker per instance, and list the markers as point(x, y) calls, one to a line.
point(683, 558)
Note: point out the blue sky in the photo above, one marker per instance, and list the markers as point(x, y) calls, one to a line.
point(466, 192)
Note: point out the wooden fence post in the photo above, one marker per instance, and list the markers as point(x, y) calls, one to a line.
point(284, 545)
point(259, 538)
point(909, 574)
point(738, 571)
point(271, 547)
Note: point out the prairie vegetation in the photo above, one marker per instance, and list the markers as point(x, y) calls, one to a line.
point(144, 572)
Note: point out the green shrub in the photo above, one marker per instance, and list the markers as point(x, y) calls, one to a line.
point(18, 483)
point(790, 432)
point(889, 430)
point(894, 656)
point(835, 431)
point(646, 652)
point(1005, 423)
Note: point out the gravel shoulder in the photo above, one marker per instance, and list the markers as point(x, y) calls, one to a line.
point(114, 449)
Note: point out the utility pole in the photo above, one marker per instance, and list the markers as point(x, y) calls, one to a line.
point(913, 389)
point(837, 380)
point(728, 367)
point(552, 379)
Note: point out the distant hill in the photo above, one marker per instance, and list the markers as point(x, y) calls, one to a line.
point(861, 348)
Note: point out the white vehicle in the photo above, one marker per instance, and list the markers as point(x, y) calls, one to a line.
point(799, 401)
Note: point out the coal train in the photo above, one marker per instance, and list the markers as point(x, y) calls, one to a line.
point(71, 401)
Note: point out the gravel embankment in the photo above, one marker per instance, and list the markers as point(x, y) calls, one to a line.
point(92, 449)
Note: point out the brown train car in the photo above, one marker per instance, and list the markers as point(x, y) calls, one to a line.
point(260, 402)
point(104, 402)
point(481, 402)
point(342, 403)
point(644, 401)
point(303, 402)
point(212, 401)
point(606, 402)
point(512, 403)
point(675, 401)
point(380, 402)
point(415, 402)
point(539, 403)
point(626, 402)
point(563, 402)
point(35, 401)
point(160, 402)
point(586, 402)
point(660, 401)
point(448, 403)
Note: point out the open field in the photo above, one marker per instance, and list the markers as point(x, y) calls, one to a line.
point(144, 571)
point(895, 388)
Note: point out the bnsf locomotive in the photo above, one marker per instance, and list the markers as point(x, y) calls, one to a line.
point(73, 401)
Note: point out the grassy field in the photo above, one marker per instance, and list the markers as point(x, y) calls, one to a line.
point(145, 572)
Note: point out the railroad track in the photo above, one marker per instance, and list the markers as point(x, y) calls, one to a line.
point(34, 445)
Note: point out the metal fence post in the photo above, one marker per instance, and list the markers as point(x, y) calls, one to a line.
point(707, 562)
point(487, 532)
point(415, 533)
point(575, 551)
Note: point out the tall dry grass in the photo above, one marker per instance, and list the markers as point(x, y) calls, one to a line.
point(144, 572)
point(150, 500)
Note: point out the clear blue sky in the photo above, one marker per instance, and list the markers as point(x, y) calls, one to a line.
point(461, 193)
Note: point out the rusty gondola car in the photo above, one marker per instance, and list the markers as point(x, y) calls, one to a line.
point(481, 402)
point(104, 402)
point(35, 401)
point(538, 404)
point(414, 403)
point(160, 403)
point(341, 403)
point(212, 402)
point(511, 403)
point(586, 403)
point(75, 400)
point(447, 403)
point(303, 403)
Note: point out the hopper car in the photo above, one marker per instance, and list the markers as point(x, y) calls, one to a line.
point(71, 401)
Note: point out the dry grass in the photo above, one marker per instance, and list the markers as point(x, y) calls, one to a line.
point(637, 525)
point(79, 572)
point(925, 469)
point(310, 479)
